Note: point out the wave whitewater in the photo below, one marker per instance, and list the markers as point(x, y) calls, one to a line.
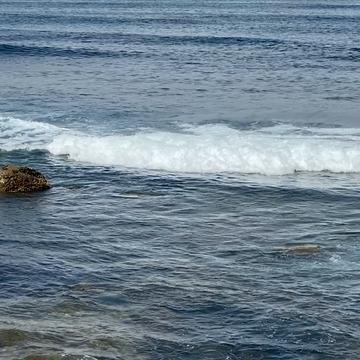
point(276, 150)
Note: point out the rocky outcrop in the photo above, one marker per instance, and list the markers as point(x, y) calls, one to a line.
point(16, 179)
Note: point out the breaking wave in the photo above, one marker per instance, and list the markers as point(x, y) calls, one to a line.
point(276, 150)
point(21, 134)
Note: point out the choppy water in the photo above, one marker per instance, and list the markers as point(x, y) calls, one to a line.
point(189, 143)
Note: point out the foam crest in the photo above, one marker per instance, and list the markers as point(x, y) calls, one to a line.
point(216, 149)
point(276, 150)
point(21, 134)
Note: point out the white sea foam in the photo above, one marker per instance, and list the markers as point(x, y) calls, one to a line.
point(21, 134)
point(274, 150)
point(209, 149)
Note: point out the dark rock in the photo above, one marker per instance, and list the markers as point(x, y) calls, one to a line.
point(15, 179)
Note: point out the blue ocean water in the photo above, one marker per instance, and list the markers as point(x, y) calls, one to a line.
point(191, 145)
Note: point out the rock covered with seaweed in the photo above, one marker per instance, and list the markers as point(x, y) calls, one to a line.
point(18, 179)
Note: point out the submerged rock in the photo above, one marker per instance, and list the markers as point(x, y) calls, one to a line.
point(11, 337)
point(71, 307)
point(83, 287)
point(105, 343)
point(16, 179)
point(43, 357)
point(302, 249)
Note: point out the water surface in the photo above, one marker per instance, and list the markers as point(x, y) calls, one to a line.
point(189, 144)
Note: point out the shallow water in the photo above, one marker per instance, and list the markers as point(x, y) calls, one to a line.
point(189, 145)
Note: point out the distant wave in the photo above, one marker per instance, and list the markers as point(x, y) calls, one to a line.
point(276, 150)
point(116, 38)
point(135, 45)
point(60, 51)
point(96, 18)
point(7, 49)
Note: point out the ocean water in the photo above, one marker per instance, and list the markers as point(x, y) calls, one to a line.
point(191, 145)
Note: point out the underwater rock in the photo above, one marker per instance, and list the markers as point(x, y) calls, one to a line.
point(43, 357)
point(16, 179)
point(83, 287)
point(301, 249)
point(71, 307)
point(11, 337)
point(105, 343)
